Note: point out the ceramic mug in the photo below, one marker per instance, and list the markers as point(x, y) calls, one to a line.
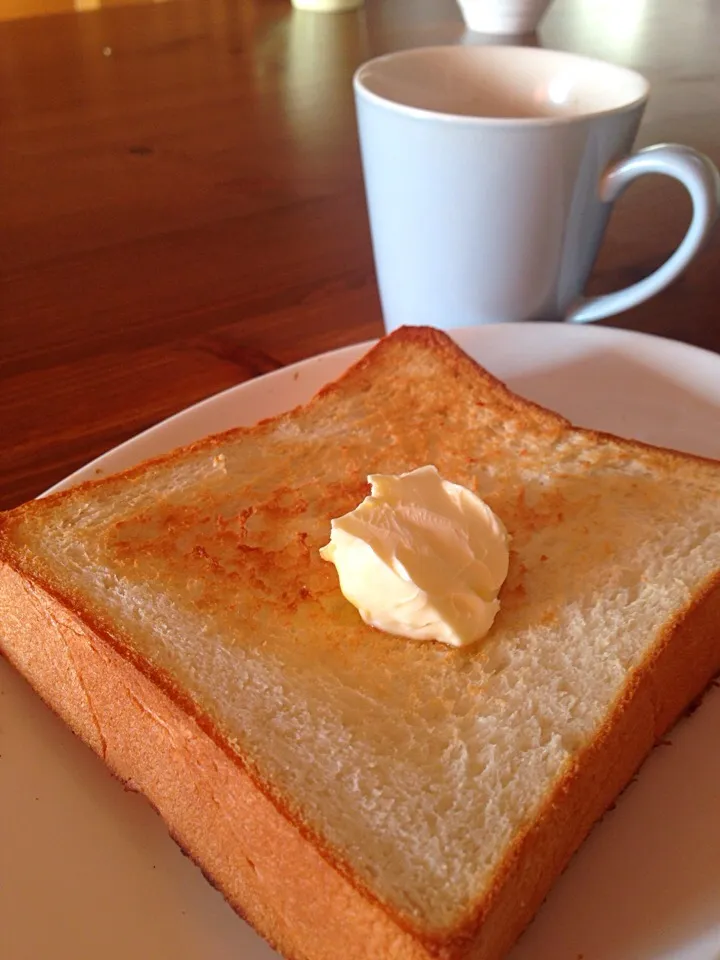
point(505, 17)
point(490, 174)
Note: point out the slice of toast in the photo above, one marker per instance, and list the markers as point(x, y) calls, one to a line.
point(355, 795)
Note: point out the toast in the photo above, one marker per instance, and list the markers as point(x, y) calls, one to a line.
point(355, 795)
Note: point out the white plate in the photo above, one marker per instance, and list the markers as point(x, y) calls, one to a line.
point(87, 870)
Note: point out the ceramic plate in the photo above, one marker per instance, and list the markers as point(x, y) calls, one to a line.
point(87, 869)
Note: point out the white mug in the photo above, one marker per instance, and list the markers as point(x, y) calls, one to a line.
point(490, 173)
point(504, 17)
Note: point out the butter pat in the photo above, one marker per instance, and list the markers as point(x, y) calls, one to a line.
point(421, 558)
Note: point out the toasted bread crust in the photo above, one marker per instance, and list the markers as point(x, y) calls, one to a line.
point(108, 685)
point(275, 878)
point(661, 688)
point(325, 923)
point(459, 367)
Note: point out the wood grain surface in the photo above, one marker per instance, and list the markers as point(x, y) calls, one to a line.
point(182, 208)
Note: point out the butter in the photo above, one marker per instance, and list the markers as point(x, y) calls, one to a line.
point(421, 558)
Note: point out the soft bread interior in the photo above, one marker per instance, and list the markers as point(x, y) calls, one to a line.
point(416, 765)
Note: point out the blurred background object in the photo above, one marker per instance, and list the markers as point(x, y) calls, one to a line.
point(507, 17)
point(327, 6)
point(15, 9)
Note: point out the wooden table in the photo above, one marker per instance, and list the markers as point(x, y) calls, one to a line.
point(181, 202)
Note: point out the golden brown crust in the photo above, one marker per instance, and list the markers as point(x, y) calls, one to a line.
point(103, 683)
point(268, 871)
point(178, 698)
point(76, 605)
point(456, 364)
point(682, 666)
point(660, 691)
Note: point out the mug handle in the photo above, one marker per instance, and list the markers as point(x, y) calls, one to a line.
point(700, 178)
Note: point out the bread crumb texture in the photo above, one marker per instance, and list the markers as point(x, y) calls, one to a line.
point(416, 763)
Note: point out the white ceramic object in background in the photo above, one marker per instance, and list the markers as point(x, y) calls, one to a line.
point(509, 17)
point(490, 174)
point(327, 6)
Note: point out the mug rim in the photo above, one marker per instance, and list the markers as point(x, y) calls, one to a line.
point(425, 113)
